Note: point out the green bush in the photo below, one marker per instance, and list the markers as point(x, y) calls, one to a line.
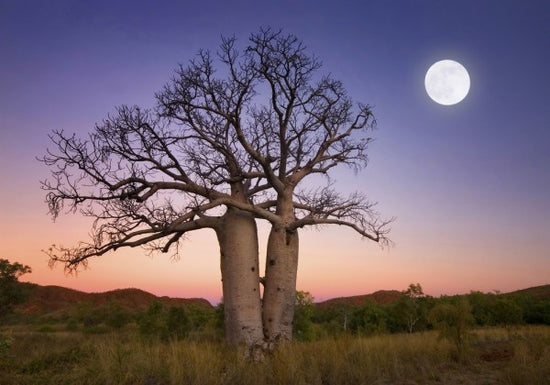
point(5, 343)
point(178, 324)
point(96, 329)
point(369, 319)
point(116, 316)
point(508, 312)
point(71, 325)
point(88, 314)
point(45, 328)
point(303, 328)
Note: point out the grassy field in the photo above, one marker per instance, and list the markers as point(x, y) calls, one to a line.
point(493, 356)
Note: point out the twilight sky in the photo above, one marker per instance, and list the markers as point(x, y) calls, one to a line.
point(469, 184)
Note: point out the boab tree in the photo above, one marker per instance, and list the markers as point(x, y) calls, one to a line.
point(218, 152)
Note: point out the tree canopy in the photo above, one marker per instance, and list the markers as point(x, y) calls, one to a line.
point(148, 176)
point(10, 291)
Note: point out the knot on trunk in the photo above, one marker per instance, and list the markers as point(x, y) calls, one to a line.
point(258, 351)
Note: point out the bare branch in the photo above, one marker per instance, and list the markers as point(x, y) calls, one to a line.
point(77, 256)
point(325, 206)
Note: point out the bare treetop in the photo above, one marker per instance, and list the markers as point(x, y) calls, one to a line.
point(311, 118)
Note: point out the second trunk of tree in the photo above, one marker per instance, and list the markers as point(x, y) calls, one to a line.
point(280, 276)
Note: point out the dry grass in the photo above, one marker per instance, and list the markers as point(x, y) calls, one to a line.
point(496, 356)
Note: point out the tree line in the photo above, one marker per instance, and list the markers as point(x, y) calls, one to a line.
point(452, 316)
point(414, 311)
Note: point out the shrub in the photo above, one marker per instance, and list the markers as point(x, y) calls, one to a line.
point(151, 323)
point(5, 344)
point(454, 319)
point(303, 329)
point(88, 315)
point(178, 324)
point(508, 312)
point(369, 319)
point(45, 328)
point(116, 316)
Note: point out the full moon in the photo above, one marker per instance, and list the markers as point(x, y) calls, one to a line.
point(447, 82)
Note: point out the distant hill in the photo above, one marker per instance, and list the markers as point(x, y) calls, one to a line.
point(43, 300)
point(386, 297)
point(536, 292)
point(381, 297)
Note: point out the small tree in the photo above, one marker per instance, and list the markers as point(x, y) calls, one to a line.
point(370, 319)
point(338, 318)
point(11, 292)
point(482, 307)
point(303, 327)
point(454, 319)
point(152, 322)
point(409, 307)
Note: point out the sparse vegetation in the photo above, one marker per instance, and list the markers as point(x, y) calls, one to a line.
point(456, 340)
point(495, 357)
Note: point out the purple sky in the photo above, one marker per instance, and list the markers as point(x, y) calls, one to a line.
point(469, 184)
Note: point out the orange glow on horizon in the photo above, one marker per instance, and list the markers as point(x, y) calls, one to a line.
point(326, 270)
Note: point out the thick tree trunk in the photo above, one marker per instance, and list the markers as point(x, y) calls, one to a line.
point(238, 239)
point(280, 278)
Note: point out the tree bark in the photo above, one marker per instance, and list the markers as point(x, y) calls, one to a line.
point(238, 239)
point(280, 277)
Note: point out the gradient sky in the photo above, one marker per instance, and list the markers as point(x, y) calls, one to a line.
point(469, 184)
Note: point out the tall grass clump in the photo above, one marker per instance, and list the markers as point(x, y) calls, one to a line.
point(530, 361)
